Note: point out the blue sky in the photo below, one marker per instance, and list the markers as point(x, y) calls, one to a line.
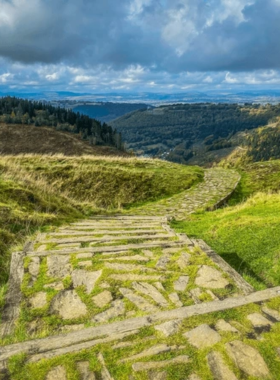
point(139, 45)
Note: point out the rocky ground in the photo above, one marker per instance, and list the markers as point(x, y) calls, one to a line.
point(125, 297)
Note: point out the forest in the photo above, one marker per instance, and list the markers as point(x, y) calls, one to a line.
point(21, 111)
point(175, 131)
point(264, 144)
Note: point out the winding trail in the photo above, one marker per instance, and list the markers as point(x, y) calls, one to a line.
point(112, 293)
point(217, 187)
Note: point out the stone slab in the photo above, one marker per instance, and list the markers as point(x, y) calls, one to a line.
point(151, 291)
point(138, 301)
point(102, 299)
point(68, 305)
point(247, 359)
point(218, 368)
point(209, 277)
point(116, 310)
point(146, 366)
point(86, 278)
point(181, 284)
point(58, 266)
point(169, 328)
point(202, 336)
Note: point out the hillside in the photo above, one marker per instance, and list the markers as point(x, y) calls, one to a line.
point(105, 111)
point(192, 133)
point(36, 191)
point(25, 112)
point(28, 139)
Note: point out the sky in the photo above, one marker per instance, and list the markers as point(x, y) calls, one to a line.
point(98, 46)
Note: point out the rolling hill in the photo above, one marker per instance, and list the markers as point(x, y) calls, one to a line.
point(192, 133)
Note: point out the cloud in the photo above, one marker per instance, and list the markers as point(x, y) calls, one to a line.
point(139, 42)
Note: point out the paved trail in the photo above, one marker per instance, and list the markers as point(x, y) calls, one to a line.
point(125, 297)
point(217, 186)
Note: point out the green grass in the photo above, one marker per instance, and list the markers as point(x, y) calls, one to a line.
point(256, 177)
point(246, 236)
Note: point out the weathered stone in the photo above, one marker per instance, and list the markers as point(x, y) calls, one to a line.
point(146, 366)
point(151, 291)
point(208, 277)
point(70, 328)
point(155, 350)
point(139, 301)
point(175, 299)
point(124, 267)
point(105, 374)
point(68, 305)
point(184, 260)
point(148, 253)
point(39, 300)
point(271, 313)
point(259, 322)
point(85, 264)
point(159, 286)
point(85, 372)
point(58, 266)
point(169, 328)
point(162, 262)
point(134, 277)
point(222, 325)
point(83, 277)
point(34, 267)
point(57, 373)
point(212, 295)
point(116, 310)
point(34, 326)
point(218, 368)
point(157, 375)
point(181, 284)
point(194, 377)
point(167, 251)
point(130, 258)
point(247, 359)
point(195, 294)
point(41, 248)
point(104, 285)
point(55, 286)
point(202, 336)
point(102, 299)
point(86, 255)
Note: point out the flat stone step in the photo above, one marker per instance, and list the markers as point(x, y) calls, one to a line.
point(127, 217)
point(127, 227)
point(111, 249)
point(107, 238)
point(109, 232)
point(45, 346)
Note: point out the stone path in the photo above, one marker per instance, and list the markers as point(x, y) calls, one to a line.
point(125, 297)
point(216, 188)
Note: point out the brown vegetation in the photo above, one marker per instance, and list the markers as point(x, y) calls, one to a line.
point(20, 139)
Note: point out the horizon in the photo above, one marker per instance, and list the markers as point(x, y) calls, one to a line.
point(139, 46)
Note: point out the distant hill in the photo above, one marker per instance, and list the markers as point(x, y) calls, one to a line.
point(192, 133)
point(106, 112)
point(24, 139)
point(25, 112)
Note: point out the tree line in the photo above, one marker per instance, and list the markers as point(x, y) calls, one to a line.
point(21, 111)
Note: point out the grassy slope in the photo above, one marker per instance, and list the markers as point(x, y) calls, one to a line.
point(21, 139)
point(36, 191)
point(246, 235)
